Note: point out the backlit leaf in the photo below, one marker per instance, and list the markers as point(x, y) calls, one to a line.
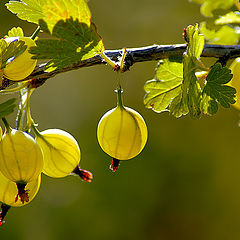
point(195, 41)
point(232, 17)
point(165, 86)
point(225, 35)
point(216, 90)
point(209, 6)
point(51, 11)
point(72, 41)
point(15, 32)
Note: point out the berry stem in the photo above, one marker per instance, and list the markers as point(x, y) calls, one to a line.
point(34, 35)
point(30, 121)
point(16, 89)
point(83, 174)
point(3, 213)
point(21, 107)
point(36, 132)
point(114, 164)
point(119, 97)
point(124, 53)
point(108, 60)
point(119, 87)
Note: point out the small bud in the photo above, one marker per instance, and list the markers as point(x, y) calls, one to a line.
point(185, 35)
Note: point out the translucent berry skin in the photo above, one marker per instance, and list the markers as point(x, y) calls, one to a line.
point(8, 191)
point(122, 133)
point(235, 82)
point(21, 158)
point(61, 153)
point(23, 65)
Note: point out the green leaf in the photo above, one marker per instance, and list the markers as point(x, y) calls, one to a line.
point(225, 35)
point(15, 32)
point(216, 90)
point(9, 51)
point(191, 87)
point(195, 41)
point(30, 10)
point(209, 6)
point(72, 42)
point(51, 11)
point(232, 17)
point(158, 97)
point(178, 107)
point(7, 107)
point(166, 85)
point(208, 105)
point(175, 86)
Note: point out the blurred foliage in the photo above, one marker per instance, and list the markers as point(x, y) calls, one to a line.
point(182, 186)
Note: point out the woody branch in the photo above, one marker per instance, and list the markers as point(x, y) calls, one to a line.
point(134, 55)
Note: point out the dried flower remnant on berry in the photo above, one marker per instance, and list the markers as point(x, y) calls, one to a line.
point(114, 164)
point(3, 213)
point(83, 174)
point(23, 193)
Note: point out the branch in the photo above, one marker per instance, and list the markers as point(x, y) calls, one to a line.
point(134, 55)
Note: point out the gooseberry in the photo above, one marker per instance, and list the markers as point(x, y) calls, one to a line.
point(121, 133)
point(21, 160)
point(9, 191)
point(61, 154)
point(23, 65)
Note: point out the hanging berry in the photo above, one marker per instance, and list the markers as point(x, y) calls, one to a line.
point(9, 191)
point(61, 154)
point(121, 133)
point(21, 160)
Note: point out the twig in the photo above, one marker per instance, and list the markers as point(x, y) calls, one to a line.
point(142, 54)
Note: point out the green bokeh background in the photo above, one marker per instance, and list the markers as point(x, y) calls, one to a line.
point(185, 183)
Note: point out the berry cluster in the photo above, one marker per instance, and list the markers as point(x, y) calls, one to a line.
point(23, 158)
point(26, 153)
